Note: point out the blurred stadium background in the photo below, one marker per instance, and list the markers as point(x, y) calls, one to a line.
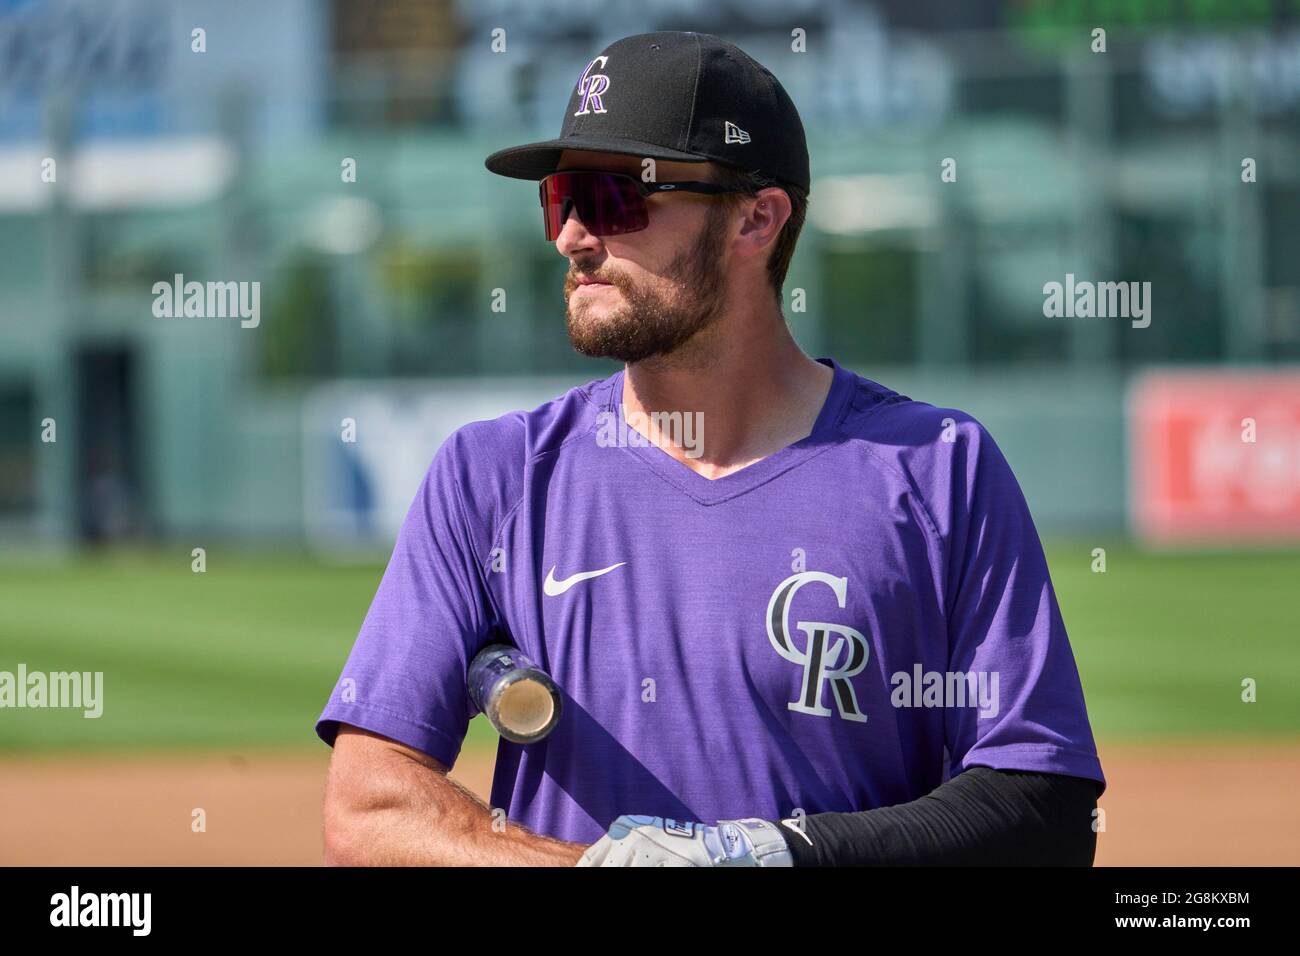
point(1171, 158)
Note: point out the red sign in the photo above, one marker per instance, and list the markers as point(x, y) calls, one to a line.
point(1215, 456)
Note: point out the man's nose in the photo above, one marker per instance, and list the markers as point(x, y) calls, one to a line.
point(573, 234)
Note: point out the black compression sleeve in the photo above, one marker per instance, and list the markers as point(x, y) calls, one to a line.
point(981, 817)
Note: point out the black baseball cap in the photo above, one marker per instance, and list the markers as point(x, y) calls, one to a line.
point(689, 97)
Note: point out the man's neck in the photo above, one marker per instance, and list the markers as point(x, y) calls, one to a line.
point(752, 389)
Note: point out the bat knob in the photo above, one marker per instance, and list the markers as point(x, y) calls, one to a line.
point(518, 698)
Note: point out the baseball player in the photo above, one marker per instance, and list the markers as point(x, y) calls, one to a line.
point(796, 617)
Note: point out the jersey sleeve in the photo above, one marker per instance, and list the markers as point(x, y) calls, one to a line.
point(406, 675)
point(1005, 629)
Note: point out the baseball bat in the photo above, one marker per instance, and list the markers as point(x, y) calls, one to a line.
point(519, 698)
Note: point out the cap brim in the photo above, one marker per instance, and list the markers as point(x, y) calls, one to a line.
point(539, 160)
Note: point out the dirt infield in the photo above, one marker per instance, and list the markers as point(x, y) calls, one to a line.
point(1176, 805)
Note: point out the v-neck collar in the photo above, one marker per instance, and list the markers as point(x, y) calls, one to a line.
point(710, 491)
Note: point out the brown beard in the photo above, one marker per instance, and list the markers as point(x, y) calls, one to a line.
point(651, 323)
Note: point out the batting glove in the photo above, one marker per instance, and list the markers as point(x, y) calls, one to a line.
point(635, 840)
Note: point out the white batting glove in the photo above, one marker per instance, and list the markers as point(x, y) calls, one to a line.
point(635, 840)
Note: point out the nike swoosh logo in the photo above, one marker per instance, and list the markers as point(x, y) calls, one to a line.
point(554, 588)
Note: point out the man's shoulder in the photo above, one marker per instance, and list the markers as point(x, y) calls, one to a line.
point(497, 451)
point(941, 456)
point(898, 426)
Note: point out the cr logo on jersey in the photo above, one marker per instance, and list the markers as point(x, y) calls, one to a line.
point(821, 663)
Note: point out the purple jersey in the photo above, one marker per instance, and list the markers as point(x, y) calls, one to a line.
point(797, 635)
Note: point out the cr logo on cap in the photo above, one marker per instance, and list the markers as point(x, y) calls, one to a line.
point(591, 86)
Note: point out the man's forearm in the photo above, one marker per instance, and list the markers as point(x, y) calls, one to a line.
point(981, 817)
point(414, 815)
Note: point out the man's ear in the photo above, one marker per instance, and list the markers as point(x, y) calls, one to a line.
point(766, 215)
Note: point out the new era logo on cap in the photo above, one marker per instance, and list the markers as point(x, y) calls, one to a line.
point(734, 134)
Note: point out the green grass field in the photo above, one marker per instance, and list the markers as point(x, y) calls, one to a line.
point(245, 654)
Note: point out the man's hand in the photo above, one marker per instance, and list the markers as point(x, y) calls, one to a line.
point(653, 841)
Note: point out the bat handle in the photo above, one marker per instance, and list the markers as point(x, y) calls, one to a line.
point(518, 698)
